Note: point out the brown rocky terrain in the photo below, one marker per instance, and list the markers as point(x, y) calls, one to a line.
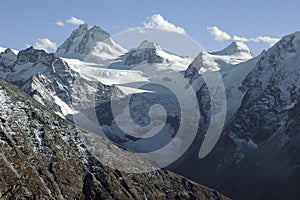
point(43, 157)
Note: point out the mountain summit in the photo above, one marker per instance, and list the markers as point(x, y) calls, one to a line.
point(149, 45)
point(90, 44)
point(146, 51)
point(235, 48)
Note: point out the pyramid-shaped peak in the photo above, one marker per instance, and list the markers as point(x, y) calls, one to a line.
point(235, 48)
point(86, 29)
point(86, 40)
point(9, 51)
point(149, 45)
point(239, 44)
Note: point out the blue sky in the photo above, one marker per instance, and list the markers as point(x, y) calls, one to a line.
point(24, 22)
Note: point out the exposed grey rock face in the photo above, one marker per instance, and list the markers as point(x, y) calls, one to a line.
point(79, 39)
point(7, 58)
point(43, 157)
point(145, 52)
point(250, 160)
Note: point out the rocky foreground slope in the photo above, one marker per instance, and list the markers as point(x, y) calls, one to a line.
point(43, 157)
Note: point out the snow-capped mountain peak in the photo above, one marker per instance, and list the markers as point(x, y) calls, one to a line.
point(204, 62)
point(31, 55)
point(146, 51)
point(236, 49)
point(9, 51)
point(90, 44)
point(7, 58)
point(3, 49)
point(235, 53)
point(149, 45)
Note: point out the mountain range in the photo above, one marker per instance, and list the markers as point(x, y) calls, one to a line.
point(256, 154)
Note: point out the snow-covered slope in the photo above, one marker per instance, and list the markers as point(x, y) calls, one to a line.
point(90, 44)
point(223, 62)
point(143, 64)
point(50, 80)
point(152, 55)
point(233, 64)
point(235, 53)
point(148, 64)
point(235, 49)
point(2, 49)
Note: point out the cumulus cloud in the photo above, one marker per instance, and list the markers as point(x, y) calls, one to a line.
point(218, 34)
point(45, 44)
point(59, 23)
point(75, 21)
point(72, 20)
point(157, 21)
point(265, 39)
point(240, 39)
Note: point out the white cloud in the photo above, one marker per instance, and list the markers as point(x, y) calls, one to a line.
point(240, 39)
point(218, 34)
point(157, 21)
point(59, 23)
point(72, 20)
point(45, 44)
point(265, 39)
point(75, 21)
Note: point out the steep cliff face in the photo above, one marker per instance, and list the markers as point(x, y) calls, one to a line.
point(43, 157)
point(255, 154)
